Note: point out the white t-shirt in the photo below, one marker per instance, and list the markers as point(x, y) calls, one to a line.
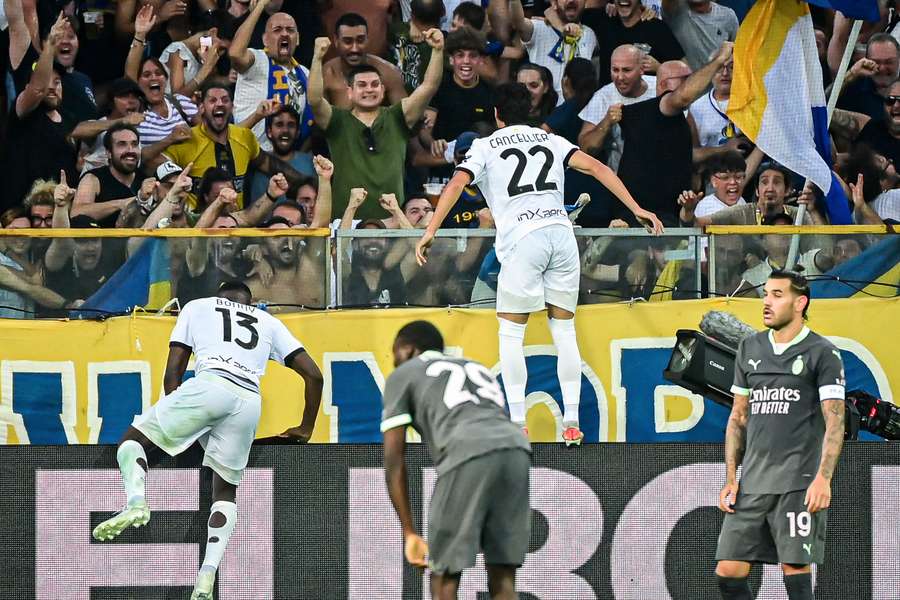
point(253, 86)
point(521, 172)
point(191, 64)
point(233, 340)
point(595, 111)
point(156, 127)
point(709, 116)
point(758, 275)
point(545, 39)
point(711, 204)
point(887, 205)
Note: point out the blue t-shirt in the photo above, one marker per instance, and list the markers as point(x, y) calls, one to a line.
point(302, 161)
point(564, 120)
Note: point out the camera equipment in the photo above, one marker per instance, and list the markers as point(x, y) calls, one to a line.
point(704, 364)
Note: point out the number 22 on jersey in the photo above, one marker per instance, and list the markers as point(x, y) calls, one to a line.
point(455, 392)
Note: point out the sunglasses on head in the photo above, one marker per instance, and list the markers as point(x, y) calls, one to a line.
point(891, 100)
point(369, 138)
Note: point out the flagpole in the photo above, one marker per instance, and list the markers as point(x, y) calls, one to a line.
point(832, 103)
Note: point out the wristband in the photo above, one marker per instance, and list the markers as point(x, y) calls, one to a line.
point(270, 197)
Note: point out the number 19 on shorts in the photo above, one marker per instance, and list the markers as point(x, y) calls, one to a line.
point(799, 523)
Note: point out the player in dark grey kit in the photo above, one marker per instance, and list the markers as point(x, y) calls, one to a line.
point(480, 500)
point(787, 428)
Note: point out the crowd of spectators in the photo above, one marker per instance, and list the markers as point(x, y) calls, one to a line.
point(316, 113)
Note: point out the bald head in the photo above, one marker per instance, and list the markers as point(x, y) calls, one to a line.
point(626, 71)
point(670, 75)
point(281, 37)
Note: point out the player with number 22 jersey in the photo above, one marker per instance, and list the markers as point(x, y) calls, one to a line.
point(520, 170)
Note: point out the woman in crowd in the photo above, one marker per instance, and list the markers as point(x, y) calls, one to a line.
point(539, 82)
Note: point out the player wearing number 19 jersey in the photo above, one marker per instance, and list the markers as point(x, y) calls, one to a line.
point(786, 428)
point(480, 499)
point(219, 407)
point(520, 170)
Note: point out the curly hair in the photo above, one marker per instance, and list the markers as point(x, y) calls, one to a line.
point(40, 194)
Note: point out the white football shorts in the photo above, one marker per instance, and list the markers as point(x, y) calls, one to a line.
point(208, 408)
point(542, 268)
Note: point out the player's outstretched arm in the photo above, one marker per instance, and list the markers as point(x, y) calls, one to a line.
point(398, 489)
point(735, 444)
point(818, 496)
point(580, 161)
point(448, 198)
point(307, 368)
point(179, 355)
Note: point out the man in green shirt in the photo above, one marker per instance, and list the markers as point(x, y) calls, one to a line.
point(368, 142)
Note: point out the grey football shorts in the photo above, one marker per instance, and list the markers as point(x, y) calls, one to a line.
point(481, 506)
point(773, 528)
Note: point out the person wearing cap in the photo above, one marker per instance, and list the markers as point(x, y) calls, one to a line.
point(125, 106)
point(373, 275)
point(105, 191)
point(37, 136)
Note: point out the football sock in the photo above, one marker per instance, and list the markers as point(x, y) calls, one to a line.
point(568, 367)
point(512, 367)
point(133, 466)
point(799, 587)
point(222, 518)
point(734, 588)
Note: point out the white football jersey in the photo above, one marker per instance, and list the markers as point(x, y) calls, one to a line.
point(233, 340)
point(520, 170)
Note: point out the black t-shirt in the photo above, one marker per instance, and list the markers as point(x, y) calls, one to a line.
point(78, 102)
point(861, 96)
point(460, 108)
point(112, 189)
point(36, 148)
point(876, 135)
point(79, 284)
point(391, 288)
point(611, 34)
point(657, 160)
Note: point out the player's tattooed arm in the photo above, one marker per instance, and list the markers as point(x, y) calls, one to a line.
point(736, 436)
point(833, 410)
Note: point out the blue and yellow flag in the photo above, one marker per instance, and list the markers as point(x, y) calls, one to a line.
point(875, 272)
point(143, 281)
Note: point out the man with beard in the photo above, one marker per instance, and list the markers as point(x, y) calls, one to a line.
point(370, 280)
point(217, 143)
point(785, 431)
point(271, 73)
point(546, 47)
point(282, 131)
point(78, 102)
point(628, 26)
point(351, 40)
point(105, 191)
point(600, 133)
point(772, 188)
point(290, 270)
point(368, 143)
point(37, 137)
point(700, 26)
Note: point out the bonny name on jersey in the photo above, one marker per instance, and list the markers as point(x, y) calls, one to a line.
point(230, 304)
point(772, 401)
